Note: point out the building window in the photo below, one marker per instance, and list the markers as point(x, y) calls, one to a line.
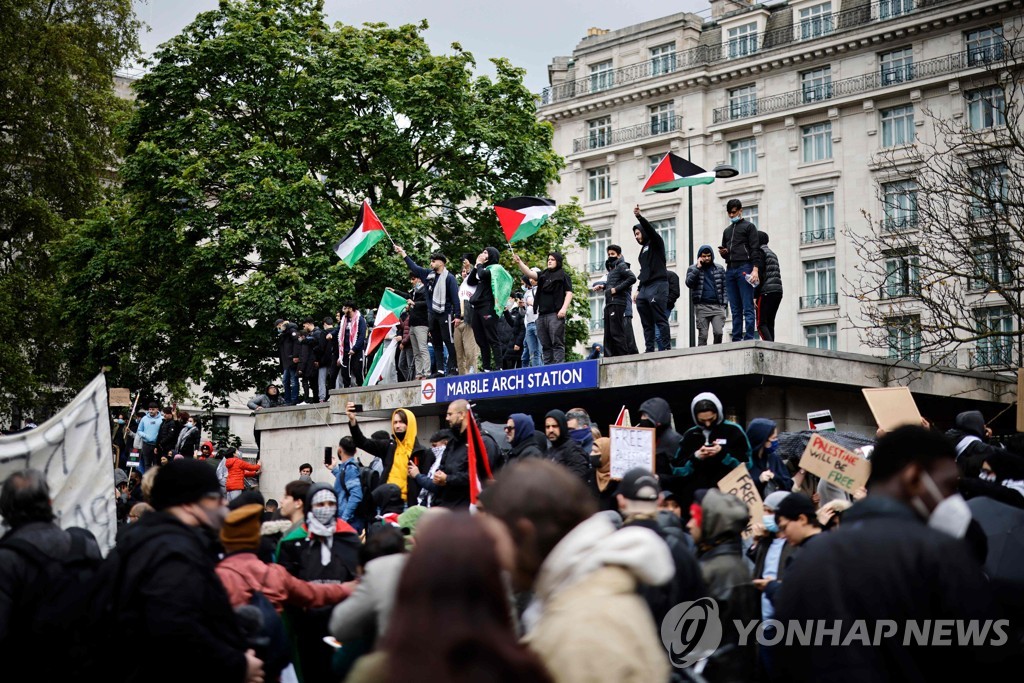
point(996, 350)
point(902, 276)
point(819, 218)
point(663, 59)
point(984, 45)
point(887, 9)
point(667, 229)
point(821, 336)
point(221, 424)
point(899, 205)
point(904, 334)
point(599, 184)
point(596, 311)
point(990, 188)
point(897, 66)
point(601, 77)
point(751, 214)
point(816, 84)
point(599, 132)
point(743, 101)
point(817, 141)
point(743, 40)
point(898, 126)
point(599, 251)
point(991, 268)
point(816, 21)
point(820, 283)
point(653, 160)
point(986, 108)
point(743, 155)
point(663, 118)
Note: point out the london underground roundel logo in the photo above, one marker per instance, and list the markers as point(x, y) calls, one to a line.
point(428, 391)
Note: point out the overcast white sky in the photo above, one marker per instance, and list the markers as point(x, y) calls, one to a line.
point(527, 32)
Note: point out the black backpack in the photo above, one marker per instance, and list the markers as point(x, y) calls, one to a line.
point(55, 611)
point(673, 289)
point(369, 479)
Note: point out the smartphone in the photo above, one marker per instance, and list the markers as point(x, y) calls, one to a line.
point(358, 407)
point(328, 456)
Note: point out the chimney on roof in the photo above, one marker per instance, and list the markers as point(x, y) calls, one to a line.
point(720, 8)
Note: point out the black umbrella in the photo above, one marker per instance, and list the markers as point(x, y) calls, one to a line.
point(793, 444)
point(1004, 527)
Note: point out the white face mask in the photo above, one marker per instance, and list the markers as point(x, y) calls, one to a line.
point(437, 450)
point(987, 476)
point(950, 516)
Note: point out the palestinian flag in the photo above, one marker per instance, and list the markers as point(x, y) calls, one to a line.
point(388, 315)
point(382, 363)
point(623, 419)
point(674, 172)
point(501, 286)
point(477, 455)
point(367, 232)
point(520, 217)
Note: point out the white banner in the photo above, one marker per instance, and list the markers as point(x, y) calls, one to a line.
point(73, 450)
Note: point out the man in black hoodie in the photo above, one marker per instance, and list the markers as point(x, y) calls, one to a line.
point(551, 303)
point(287, 353)
point(563, 449)
point(485, 318)
point(617, 286)
point(655, 412)
point(652, 297)
point(741, 249)
point(969, 437)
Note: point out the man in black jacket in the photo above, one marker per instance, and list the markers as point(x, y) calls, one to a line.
point(562, 449)
point(168, 435)
point(706, 282)
point(652, 297)
point(617, 286)
point(485, 317)
point(741, 249)
point(452, 477)
point(287, 353)
point(442, 303)
point(769, 293)
point(326, 352)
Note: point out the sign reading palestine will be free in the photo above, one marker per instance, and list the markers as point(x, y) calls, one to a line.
point(519, 382)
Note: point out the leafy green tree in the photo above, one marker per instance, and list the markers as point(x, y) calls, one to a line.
point(259, 131)
point(58, 111)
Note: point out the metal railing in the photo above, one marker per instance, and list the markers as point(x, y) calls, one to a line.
point(819, 301)
point(992, 355)
point(900, 290)
point(822, 235)
point(599, 139)
point(896, 225)
point(595, 267)
point(702, 55)
point(939, 66)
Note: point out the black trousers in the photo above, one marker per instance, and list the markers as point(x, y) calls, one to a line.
point(440, 327)
point(352, 374)
point(615, 341)
point(767, 309)
point(485, 329)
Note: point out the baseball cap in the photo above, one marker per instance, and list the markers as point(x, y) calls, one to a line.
point(639, 484)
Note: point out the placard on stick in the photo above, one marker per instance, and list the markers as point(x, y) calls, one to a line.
point(892, 407)
point(119, 397)
point(631, 447)
point(834, 464)
point(821, 421)
point(740, 484)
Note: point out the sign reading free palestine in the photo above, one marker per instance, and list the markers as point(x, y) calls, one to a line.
point(518, 382)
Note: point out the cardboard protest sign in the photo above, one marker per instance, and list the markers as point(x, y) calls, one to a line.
point(631, 447)
point(834, 464)
point(119, 397)
point(821, 421)
point(740, 484)
point(892, 407)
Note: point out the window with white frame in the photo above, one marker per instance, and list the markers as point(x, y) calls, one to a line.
point(599, 184)
point(902, 274)
point(601, 76)
point(743, 101)
point(984, 45)
point(904, 334)
point(662, 117)
point(821, 336)
point(816, 140)
point(667, 229)
point(897, 66)
point(816, 84)
point(996, 349)
point(596, 311)
point(887, 9)
point(599, 132)
point(992, 269)
point(653, 160)
point(989, 191)
point(816, 21)
point(598, 250)
point(899, 205)
point(820, 283)
point(819, 218)
point(742, 40)
point(751, 214)
point(743, 155)
point(663, 59)
point(897, 125)
point(986, 108)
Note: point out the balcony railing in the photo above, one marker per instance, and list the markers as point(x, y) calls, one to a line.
point(900, 224)
point(822, 235)
point(703, 55)
point(597, 140)
point(595, 267)
point(819, 301)
point(991, 355)
point(900, 290)
point(940, 66)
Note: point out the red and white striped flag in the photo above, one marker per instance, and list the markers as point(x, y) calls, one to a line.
point(623, 419)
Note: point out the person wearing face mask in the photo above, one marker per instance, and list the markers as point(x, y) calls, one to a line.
point(899, 555)
point(767, 469)
point(399, 451)
point(562, 449)
point(169, 592)
point(425, 479)
point(188, 438)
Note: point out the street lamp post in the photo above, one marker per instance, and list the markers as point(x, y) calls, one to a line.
point(689, 242)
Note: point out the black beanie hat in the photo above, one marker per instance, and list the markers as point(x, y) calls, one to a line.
point(796, 504)
point(184, 481)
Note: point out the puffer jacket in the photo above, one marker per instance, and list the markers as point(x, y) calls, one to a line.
point(237, 470)
point(620, 278)
point(695, 282)
point(771, 279)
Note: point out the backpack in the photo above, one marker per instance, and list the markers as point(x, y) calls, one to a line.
point(369, 479)
point(673, 289)
point(55, 611)
point(496, 433)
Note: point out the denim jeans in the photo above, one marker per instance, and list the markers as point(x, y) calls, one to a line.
point(531, 353)
point(741, 301)
point(290, 379)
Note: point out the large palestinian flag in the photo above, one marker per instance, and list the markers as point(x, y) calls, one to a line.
point(382, 363)
point(520, 217)
point(674, 172)
point(360, 239)
point(389, 314)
